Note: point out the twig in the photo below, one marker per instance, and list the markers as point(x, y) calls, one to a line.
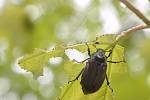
point(132, 29)
point(136, 11)
point(126, 32)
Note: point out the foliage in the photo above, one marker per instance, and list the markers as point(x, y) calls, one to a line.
point(29, 24)
point(35, 63)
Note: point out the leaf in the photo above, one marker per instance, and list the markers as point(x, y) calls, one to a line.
point(35, 61)
point(72, 69)
point(118, 55)
point(106, 39)
point(73, 91)
point(100, 42)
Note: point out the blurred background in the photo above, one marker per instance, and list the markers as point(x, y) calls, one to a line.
point(29, 24)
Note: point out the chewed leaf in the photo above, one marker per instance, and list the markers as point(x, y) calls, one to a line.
point(34, 62)
point(73, 91)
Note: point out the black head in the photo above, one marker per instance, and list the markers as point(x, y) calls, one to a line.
point(99, 55)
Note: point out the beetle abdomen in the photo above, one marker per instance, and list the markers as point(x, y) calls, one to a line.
point(93, 76)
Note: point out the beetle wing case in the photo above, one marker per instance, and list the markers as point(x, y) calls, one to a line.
point(93, 76)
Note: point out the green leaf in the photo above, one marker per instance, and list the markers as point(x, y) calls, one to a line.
point(106, 39)
point(72, 69)
point(101, 42)
point(118, 55)
point(73, 91)
point(35, 61)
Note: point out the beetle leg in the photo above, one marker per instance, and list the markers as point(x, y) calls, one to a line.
point(109, 84)
point(81, 61)
point(76, 77)
point(116, 61)
point(89, 52)
point(110, 52)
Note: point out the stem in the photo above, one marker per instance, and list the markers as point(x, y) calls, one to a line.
point(132, 29)
point(136, 11)
point(126, 32)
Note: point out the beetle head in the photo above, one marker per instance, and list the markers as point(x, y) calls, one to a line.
point(99, 55)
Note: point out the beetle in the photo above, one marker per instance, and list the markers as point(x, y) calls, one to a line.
point(94, 72)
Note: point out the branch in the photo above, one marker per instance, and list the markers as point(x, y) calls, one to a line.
point(132, 29)
point(126, 32)
point(136, 11)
